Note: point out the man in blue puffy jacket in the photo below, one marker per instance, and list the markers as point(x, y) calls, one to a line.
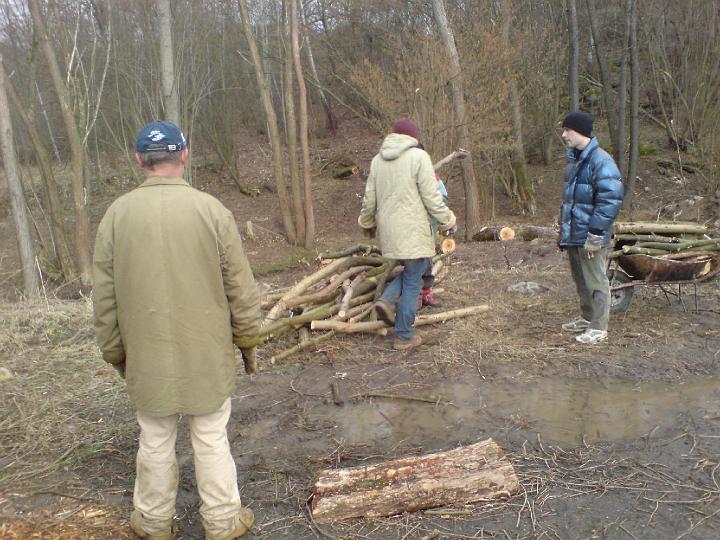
point(591, 201)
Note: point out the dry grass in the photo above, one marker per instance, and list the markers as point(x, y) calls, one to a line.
point(62, 406)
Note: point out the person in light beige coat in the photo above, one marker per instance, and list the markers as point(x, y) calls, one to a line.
point(173, 292)
point(401, 199)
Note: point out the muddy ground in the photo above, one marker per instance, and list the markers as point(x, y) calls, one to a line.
point(618, 440)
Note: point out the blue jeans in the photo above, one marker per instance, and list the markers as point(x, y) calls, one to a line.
point(403, 291)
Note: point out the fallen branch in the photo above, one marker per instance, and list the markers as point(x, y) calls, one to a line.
point(301, 346)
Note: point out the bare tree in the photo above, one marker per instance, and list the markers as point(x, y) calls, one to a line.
point(574, 54)
point(304, 143)
point(17, 198)
point(60, 248)
point(605, 77)
point(619, 154)
point(472, 195)
point(274, 133)
point(291, 128)
point(521, 186)
point(171, 104)
point(634, 110)
point(82, 227)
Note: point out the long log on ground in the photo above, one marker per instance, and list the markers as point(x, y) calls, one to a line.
point(531, 232)
point(651, 227)
point(517, 232)
point(493, 234)
point(464, 475)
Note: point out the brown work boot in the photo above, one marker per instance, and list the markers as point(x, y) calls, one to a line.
point(401, 344)
point(385, 312)
point(243, 521)
point(138, 527)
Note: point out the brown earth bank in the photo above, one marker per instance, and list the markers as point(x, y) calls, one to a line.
point(617, 440)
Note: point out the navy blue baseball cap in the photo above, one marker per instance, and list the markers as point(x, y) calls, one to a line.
point(160, 136)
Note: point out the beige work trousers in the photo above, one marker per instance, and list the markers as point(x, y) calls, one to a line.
point(156, 481)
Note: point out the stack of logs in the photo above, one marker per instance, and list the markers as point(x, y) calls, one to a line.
point(675, 241)
point(339, 298)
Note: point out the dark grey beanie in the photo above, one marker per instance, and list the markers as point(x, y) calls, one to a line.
point(579, 121)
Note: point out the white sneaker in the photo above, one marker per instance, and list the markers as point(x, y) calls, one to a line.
point(578, 325)
point(591, 336)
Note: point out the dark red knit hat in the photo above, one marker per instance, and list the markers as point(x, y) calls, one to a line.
point(405, 126)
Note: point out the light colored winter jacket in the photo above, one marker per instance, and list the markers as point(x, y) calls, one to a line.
point(172, 290)
point(401, 198)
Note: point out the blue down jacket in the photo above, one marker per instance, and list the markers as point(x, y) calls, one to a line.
point(592, 197)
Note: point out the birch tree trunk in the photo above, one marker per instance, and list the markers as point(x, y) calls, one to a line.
point(604, 74)
point(634, 110)
point(82, 226)
point(574, 54)
point(291, 129)
point(272, 125)
point(472, 195)
point(17, 198)
point(304, 143)
point(171, 103)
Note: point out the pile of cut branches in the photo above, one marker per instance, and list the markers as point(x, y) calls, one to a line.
point(339, 298)
point(674, 241)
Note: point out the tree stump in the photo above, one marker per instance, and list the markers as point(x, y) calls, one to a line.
point(464, 475)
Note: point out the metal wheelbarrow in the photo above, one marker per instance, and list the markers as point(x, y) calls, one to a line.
point(626, 272)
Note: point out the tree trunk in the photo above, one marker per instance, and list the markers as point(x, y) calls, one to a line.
point(330, 122)
point(53, 205)
point(619, 154)
point(574, 54)
point(634, 110)
point(170, 101)
point(82, 227)
point(523, 191)
point(17, 198)
point(605, 78)
point(467, 474)
point(472, 195)
point(291, 130)
point(304, 143)
point(272, 125)
point(492, 234)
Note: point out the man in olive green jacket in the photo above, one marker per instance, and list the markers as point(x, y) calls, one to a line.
point(401, 198)
point(173, 291)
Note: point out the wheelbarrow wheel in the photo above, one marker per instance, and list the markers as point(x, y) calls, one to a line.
point(619, 298)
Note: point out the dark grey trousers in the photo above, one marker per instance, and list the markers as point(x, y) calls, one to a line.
point(592, 285)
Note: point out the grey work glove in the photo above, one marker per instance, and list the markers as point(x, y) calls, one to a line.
point(450, 231)
point(593, 244)
point(248, 356)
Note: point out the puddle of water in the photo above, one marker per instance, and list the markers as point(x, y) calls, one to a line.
point(561, 410)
